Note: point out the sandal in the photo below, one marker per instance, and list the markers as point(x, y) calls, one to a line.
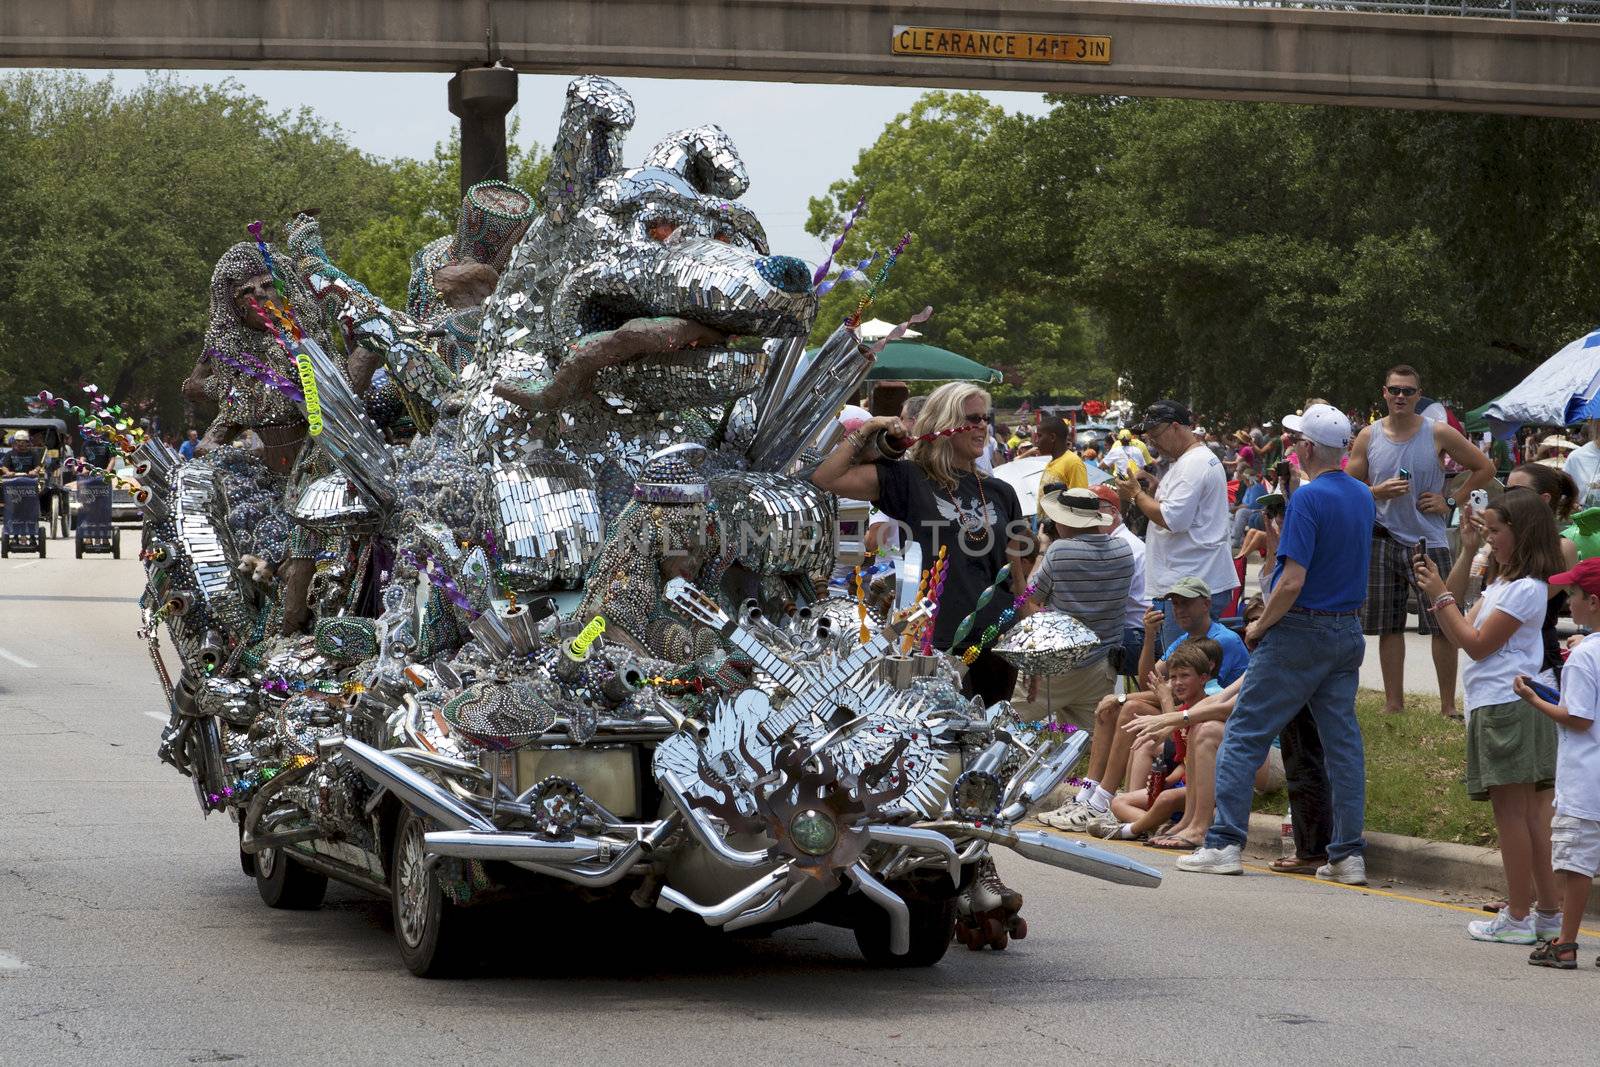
point(1173, 844)
point(1296, 865)
point(1549, 954)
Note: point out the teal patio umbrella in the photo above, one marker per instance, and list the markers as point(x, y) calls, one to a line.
point(911, 361)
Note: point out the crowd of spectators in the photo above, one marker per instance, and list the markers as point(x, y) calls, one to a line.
point(1207, 686)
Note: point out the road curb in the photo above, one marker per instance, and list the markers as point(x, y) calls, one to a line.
point(1459, 869)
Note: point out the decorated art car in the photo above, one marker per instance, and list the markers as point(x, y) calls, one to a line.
point(536, 605)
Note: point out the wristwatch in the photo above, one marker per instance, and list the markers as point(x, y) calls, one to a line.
point(1450, 502)
point(1122, 698)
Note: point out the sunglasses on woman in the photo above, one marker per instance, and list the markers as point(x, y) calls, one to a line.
point(1401, 390)
point(976, 420)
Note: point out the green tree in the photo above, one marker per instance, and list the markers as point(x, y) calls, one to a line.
point(424, 197)
point(119, 206)
point(953, 170)
point(1247, 255)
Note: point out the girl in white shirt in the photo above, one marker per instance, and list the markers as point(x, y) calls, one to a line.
point(1511, 747)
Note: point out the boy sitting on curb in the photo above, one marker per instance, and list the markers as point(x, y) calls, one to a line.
point(1575, 829)
point(1136, 813)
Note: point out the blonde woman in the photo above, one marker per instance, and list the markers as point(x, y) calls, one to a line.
point(937, 498)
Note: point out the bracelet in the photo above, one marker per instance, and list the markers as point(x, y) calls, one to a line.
point(1447, 598)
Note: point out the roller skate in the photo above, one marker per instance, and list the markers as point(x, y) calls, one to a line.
point(987, 910)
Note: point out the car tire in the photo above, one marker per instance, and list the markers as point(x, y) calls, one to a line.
point(428, 926)
point(285, 883)
point(933, 922)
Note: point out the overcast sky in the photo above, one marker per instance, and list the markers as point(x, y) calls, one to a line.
point(795, 139)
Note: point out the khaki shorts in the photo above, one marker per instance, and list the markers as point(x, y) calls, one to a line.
point(1575, 845)
point(1070, 697)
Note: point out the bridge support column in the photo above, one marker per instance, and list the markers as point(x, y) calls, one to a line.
point(480, 97)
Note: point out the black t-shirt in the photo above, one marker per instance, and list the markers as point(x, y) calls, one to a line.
point(973, 522)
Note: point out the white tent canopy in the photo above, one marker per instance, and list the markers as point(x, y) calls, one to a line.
point(1561, 391)
point(877, 330)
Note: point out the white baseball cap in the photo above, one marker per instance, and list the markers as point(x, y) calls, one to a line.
point(1321, 424)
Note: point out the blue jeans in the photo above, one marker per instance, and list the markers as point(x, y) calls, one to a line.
point(1171, 631)
point(1305, 661)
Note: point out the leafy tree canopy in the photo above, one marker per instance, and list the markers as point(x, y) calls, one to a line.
point(114, 207)
point(1243, 256)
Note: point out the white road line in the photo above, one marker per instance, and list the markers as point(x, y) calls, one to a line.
point(22, 566)
point(18, 660)
point(8, 962)
point(156, 715)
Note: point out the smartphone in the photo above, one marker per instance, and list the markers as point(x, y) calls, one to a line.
point(1419, 551)
point(1478, 499)
point(1403, 473)
point(1544, 691)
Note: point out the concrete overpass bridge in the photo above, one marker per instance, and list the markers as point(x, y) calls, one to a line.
point(1356, 53)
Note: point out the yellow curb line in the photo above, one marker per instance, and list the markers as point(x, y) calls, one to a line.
point(1312, 878)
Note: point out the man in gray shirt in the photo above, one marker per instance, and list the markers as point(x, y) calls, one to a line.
point(1085, 573)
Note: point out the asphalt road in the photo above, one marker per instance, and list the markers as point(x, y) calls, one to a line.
point(129, 935)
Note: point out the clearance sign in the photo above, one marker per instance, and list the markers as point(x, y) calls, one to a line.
point(1000, 44)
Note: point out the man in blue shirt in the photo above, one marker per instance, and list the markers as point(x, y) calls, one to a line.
point(191, 441)
point(1308, 651)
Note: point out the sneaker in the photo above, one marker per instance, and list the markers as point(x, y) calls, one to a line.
point(1223, 860)
point(1078, 820)
point(1055, 818)
point(1104, 824)
point(1546, 927)
point(1504, 929)
point(1352, 870)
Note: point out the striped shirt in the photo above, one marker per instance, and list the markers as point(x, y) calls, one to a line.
point(1088, 577)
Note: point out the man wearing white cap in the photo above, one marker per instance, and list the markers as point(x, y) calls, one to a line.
point(1309, 654)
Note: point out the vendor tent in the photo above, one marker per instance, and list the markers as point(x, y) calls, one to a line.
point(1562, 390)
point(908, 361)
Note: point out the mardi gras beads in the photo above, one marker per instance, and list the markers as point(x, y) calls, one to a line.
point(941, 566)
point(994, 629)
point(966, 624)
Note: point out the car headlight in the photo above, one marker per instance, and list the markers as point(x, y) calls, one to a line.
point(813, 832)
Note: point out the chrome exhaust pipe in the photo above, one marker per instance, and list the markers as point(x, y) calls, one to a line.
point(618, 868)
point(706, 834)
point(413, 788)
point(889, 901)
point(751, 896)
point(491, 632)
point(476, 845)
point(627, 681)
point(1042, 781)
point(522, 627)
point(923, 840)
point(1058, 852)
point(153, 459)
point(151, 504)
point(213, 652)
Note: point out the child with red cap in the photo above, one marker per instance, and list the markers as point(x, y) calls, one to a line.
point(1575, 829)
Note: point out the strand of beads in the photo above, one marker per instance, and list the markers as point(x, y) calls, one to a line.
point(994, 629)
point(965, 626)
point(877, 283)
point(912, 631)
point(861, 605)
point(935, 590)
